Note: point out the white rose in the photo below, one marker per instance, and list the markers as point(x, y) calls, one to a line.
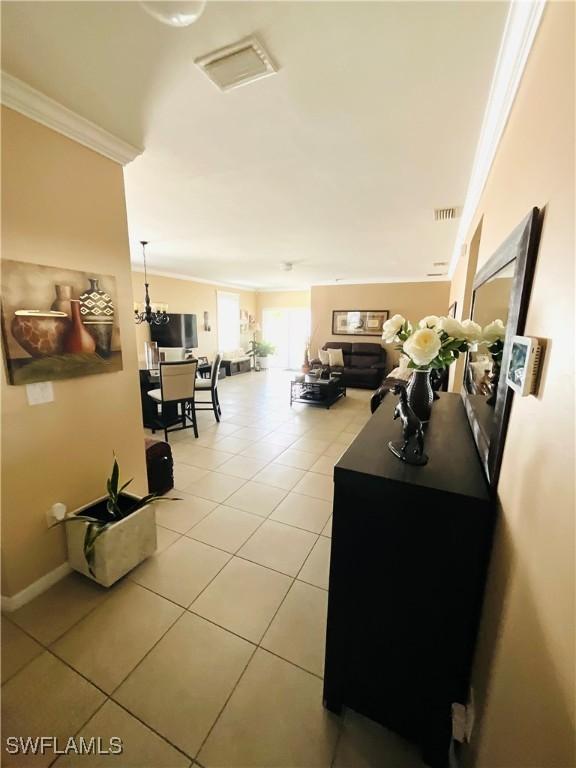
point(451, 327)
point(494, 331)
point(472, 331)
point(430, 321)
point(423, 346)
point(391, 328)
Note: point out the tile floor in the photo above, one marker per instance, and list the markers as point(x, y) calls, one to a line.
point(211, 653)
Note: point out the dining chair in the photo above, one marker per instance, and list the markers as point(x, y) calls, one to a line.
point(211, 385)
point(177, 387)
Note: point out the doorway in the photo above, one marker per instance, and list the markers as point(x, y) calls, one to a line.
point(288, 330)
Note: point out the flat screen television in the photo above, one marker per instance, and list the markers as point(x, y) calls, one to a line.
point(181, 331)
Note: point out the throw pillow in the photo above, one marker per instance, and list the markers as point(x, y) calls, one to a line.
point(335, 358)
point(323, 356)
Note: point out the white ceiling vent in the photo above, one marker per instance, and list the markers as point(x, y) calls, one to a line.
point(446, 214)
point(237, 64)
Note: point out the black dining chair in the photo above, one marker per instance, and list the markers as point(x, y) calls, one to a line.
point(178, 385)
point(211, 385)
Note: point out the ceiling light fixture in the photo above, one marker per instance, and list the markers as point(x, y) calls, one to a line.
point(151, 316)
point(287, 266)
point(180, 13)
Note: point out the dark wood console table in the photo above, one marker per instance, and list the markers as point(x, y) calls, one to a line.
point(410, 547)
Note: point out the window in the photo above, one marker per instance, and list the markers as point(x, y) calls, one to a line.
point(228, 321)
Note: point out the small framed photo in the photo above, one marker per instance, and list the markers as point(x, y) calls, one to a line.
point(202, 361)
point(522, 373)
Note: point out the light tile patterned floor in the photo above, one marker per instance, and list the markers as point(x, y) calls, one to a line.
point(212, 650)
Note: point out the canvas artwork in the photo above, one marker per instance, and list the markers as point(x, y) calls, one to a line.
point(346, 322)
point(58, 323)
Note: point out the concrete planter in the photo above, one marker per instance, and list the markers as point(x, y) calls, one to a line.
point(122, 547)
point(263, 363)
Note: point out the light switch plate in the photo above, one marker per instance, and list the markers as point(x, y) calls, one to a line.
point(39, 393)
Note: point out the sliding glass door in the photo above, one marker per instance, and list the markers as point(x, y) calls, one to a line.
point(288, 330)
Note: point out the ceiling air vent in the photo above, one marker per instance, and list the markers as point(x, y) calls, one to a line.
point(237, 64)
point(435, 274)
point(446, 214)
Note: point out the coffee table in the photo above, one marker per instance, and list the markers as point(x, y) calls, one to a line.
point(312, 390)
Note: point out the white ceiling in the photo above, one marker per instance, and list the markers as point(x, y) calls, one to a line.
point(335, 164)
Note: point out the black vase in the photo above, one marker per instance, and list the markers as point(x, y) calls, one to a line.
point(420, 395)
point(97, 310)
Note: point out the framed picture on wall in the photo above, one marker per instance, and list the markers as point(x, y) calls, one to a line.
point(358, 322)
point(58, 323)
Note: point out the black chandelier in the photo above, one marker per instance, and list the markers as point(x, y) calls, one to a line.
point(151, 316)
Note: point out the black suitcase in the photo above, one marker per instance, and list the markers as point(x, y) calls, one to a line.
point(159, 466)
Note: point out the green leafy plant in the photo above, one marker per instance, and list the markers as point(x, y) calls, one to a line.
point(114, 512)
point(263, 348)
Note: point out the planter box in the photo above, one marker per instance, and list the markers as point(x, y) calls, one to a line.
point(118, 550)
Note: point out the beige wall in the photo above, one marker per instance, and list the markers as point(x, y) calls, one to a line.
point(188, 296)
point(63, 205)
point(525, 675)
point(281, 300)
point(413, 300)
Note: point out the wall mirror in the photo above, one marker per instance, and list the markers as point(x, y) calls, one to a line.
point(501, 291)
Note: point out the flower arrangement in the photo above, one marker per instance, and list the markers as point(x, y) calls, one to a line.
point(437, 342)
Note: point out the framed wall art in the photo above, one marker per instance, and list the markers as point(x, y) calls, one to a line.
point(358, 322)
point(58, 323)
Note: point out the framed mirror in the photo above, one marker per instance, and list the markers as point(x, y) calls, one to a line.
point(500, 297)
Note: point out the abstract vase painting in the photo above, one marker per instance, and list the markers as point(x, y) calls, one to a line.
point(58, 323)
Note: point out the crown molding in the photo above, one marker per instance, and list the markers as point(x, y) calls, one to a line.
point(382, 281)
point(261, 289)
point(520, 30)
point(37, 106)
point(192, 279)
point(292, 289)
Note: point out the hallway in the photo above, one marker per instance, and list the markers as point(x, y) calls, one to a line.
point(213, 649)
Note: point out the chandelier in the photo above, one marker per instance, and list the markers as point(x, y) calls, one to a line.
point(157, 316)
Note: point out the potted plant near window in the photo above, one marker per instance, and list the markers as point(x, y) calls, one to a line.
point(260, 350)
point(112, 535)
point(262, 353)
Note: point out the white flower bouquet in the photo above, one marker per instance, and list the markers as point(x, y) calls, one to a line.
point(437, 342)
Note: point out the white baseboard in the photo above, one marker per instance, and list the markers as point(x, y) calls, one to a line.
point(16, 601)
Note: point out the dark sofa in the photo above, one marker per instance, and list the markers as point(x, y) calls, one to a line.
point(364, 363)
